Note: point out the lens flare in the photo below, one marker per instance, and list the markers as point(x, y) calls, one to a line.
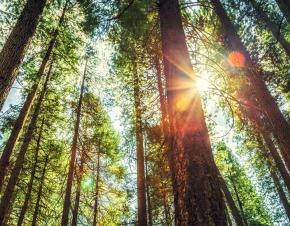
point(237, 59)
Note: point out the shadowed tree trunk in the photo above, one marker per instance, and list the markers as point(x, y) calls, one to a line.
point(6, 198)
point(141, 189)
point(284, 6)
point(279, 126)
point(67, 199)
point(12, 54)
point(19, 124)
point(96, 205)
point(274, 28)
point(39, 193)
point(78, 193)
point(32, 176)
point(197, 197)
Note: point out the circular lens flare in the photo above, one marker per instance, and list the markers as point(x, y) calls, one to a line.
point(237, 59)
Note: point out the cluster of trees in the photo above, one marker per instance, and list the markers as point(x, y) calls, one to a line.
point(175, 75)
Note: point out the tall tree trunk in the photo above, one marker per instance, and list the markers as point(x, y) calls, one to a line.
point(197, 197)
point(17, 44)
point(271, 26)
point(67, 199)
point(141, 190)
point(6, 198)
point(96, 205)
point(78, 192)
point(19, 124)
point(280, 126)
point(39, 193)
point(148, 191)
point(30, 183)
point(284, 6)
point(231, 203)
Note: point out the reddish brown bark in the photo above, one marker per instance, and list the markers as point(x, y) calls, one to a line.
point(197, 195)
point(67, 199)
point(12, 54)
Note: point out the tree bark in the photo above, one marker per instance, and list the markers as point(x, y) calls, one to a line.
point(96, 205)
point(271, 26)
point(197, 197)
point(78, 193)
point(284, 6)
point(19, 124)
point(39, 193)
point(32, 176)
point(141, 189)
point(267, 104)
point(6, 198)
point(17, 44)
point(67, 199)
point(231, 203)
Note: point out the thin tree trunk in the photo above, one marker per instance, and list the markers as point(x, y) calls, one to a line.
point(148, 191)
point(272, 27)
point(141, 189)
point(17, 44)
point(39, 193)
point(78, 193)
point(280, 126)
point(284, 6)
point(230, 223)
point(32, 176)
point(231, 203)
point(67, 199)
point(197, 197)
point(19, 124)
point(6, 198)
point(96, 205)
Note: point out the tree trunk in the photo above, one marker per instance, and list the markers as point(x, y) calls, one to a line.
point(231, 203)
point(197, 197)
point(141, 190)
point(271, 26)
point(284, 6)
point(30, 183)
point(17, 45)
point(6, 198)
point(148, 192)
point(39, 193)
point(18, 127)
point(96, 205)
point(67, 199)
point(280, 127)
point(78, 193)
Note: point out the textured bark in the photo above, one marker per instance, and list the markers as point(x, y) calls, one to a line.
point(78, 193)
point(271, 26)
point(231, 203)
point(6, 198)
point(284, 6)
point(67, 199)
point(141, 189)
point(197, 197)
point(39, 193)
point(279, 125)
point(25, 110)
point(12, 54)
point(32, 176)
point(96, 205)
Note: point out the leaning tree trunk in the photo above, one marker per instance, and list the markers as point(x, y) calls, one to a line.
point(18, 127)
point(67, 199)
point(284, 6)
point(6, 198)
point(17, 45)
point(141, 189)
point(32, 176)
point(97, 188)
point(78, 193)
point(39, 193)
point(279, 125)
point(274, 28)
point(197, 196)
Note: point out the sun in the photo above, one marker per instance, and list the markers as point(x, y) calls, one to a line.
point(202, 83)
